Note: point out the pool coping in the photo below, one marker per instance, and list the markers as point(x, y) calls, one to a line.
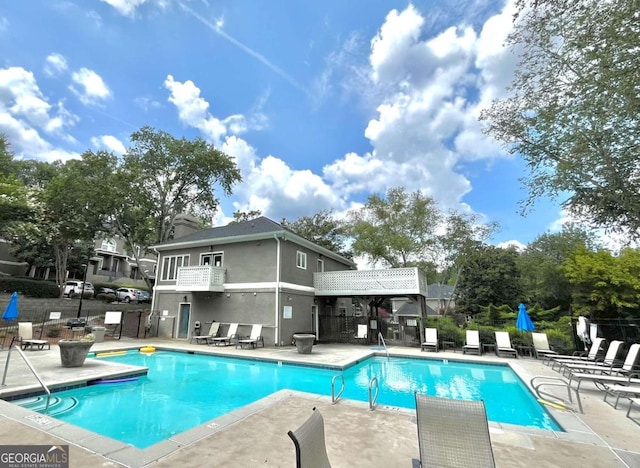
point(575, 430)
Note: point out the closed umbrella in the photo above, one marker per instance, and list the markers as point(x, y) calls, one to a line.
point(524, 322)
point(11, 311)
point(582, 330)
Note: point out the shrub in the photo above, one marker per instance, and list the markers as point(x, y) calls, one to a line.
point(560, 341)
point(29, 287)
point(448, 330)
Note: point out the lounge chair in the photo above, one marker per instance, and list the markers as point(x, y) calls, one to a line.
point(253, 339)
point(472, 343)
point(232, 334)
point(541, 346)
point(592, 355)
point(430, 339)
point(453, 433)
point(213, 333)
point(619, 391)
point(25, 338)
point(309, 441)
point(623, 376)
point(503, 344)
point(595, 355)
point(609, 362)
point(362, 332)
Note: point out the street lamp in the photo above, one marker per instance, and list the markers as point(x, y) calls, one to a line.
point(84, 279)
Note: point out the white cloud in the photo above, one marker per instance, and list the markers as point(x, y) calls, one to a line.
point(519, 246)
point(146, 103)
point(92, 87)
point(193, 110)
point(125, 7)
point(110, 143)
point(55, 64)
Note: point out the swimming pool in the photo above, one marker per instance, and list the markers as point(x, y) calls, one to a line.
point(183, 390)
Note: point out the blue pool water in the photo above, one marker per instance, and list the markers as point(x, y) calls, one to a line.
point(182, 391)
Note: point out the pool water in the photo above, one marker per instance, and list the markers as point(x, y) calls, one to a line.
point(182, 391)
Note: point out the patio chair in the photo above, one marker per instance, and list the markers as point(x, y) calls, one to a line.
point(213, 333)
point(472, 343)
point(609, 362)
point(25, 338)
point(592, 355)
point(624, 376)
point(503, 344)
point(311, 451)
point(362, 332)
point(619, 391)
point(253, 339)
point(232, 333)
point(541, 346)
point(453, 433)
point(430, 339)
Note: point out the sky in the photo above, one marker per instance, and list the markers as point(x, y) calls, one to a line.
point(320, 103)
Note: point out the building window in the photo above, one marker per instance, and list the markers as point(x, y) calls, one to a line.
point(214, 258)
point(170, 266)
point(108, 245)
point(301, 260)
point(320, 266)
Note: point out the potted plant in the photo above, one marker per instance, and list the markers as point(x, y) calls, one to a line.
point(74, 352)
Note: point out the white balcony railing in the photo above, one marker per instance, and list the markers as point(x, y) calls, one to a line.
point(400, 281)
point(200, 278)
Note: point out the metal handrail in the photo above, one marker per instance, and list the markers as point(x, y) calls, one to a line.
point(24, 357)
point(373, 398)
point(384, 345)
point(335, 397)
point(543, 380)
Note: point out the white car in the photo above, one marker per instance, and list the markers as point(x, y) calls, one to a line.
point(127, 295)
point(74, 288)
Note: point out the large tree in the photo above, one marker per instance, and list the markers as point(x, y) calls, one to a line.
point(572, 112)
point(162, 176)
point(323, 229)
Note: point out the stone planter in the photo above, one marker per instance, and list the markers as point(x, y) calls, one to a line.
point(74, 352)
point(304, 343)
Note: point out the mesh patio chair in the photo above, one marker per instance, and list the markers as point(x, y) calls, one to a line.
point(541, 345)
point(453, 433)
point(472, 343)
point(430, 340)
point(308, 439)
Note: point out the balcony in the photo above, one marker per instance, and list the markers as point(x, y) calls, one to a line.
point(395, 281)
point(200, 278)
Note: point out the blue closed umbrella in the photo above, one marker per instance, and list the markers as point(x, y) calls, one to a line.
point(524, 322)
point(11, 311)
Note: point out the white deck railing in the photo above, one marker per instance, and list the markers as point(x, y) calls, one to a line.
point(370, 282)
point(200, 278)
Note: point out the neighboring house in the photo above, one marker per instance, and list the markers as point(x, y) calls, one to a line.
point(112, 263)
point(8, 263)
point(439, 298)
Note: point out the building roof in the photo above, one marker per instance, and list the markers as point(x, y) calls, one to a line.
point(254, 229)
point(410, 309)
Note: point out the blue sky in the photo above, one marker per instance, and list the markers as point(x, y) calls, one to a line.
point(321, 103)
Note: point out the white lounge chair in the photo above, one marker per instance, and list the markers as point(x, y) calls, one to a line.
point(606, 365)
point(26, 340)
point(213, 333)
point(309, 441)
point(362, 332)
point(619, 391)
point(541, 346)
point(453, 433)
point(253, 339)
point(472, 343)
point(430, 339)
point(503, 344)
point(232, 334)
point(592, 355)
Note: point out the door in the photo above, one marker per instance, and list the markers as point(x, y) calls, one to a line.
point(314, 321)
point(183, 320)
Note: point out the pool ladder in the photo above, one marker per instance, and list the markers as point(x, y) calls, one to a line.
point(542, 380)
point(384, 345)
point(26, 361)
point(374, 389)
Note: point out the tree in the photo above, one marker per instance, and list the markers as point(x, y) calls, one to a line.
point(490, 277)
point(605, 286)
point(240, 216)
point(323, 229)
point(573, 108)
point(543, 279)
point(162, 176)
point(398, 230)
point(14, 195)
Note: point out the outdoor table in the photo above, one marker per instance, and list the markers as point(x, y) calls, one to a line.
point(488, 347)
point(449, 345)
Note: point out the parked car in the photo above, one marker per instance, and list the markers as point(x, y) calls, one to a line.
point(106, 291)
point(74, 288)
point(127, 295)
point(143, 296)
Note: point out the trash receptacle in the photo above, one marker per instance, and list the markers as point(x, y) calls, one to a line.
point(98, 333)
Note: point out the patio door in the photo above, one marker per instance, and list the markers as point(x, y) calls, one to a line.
point(184, 316)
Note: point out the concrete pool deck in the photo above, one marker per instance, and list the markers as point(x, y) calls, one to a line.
point(256, 435)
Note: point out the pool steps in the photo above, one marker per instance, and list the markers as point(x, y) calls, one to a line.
point(57, 405)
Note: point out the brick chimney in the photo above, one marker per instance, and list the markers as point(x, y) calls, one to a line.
point(185, 224)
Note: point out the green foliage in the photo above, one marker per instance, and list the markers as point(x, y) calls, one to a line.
point(560, 341)
point(518, 337)
point(448, 330)
point(29, 287)
point(323, 229)
point(572, 111)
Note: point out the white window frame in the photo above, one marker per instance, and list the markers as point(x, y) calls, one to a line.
point(170, 265)
point(320, 266)
point(108, 245)
point(212, 258)
point(301, 260)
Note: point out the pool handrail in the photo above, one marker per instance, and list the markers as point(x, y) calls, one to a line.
point(26, 361)
point(384, 345)
point(372, 397)
point(334, 397)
